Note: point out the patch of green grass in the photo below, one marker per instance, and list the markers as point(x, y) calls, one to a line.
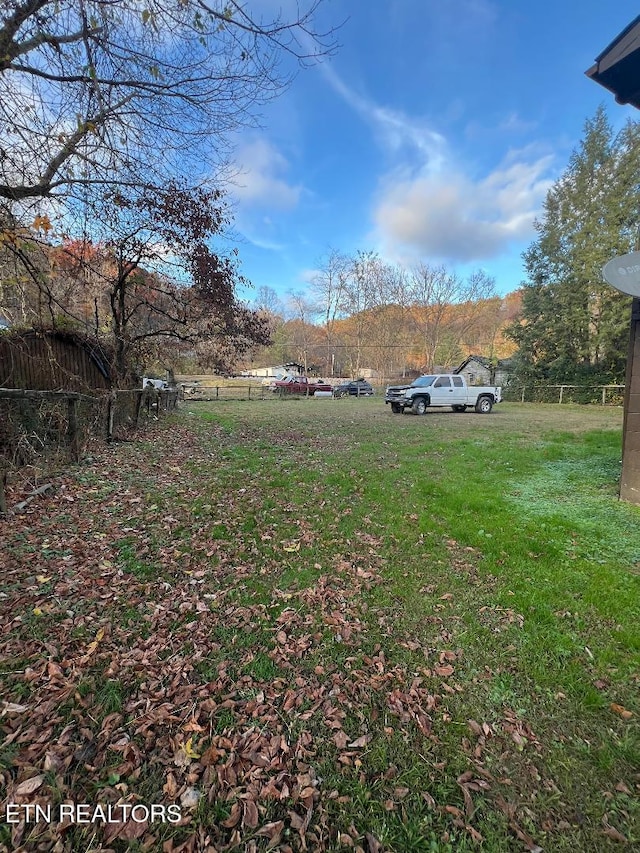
point(262, 668)
point(7, 756)
point(110, 697)
point(207, 668)
point(37, 622)
point(223, 721)
point(537, 510)
point(129, 561)
point(131, 618)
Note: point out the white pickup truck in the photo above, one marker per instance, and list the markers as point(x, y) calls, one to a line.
point(441, 389)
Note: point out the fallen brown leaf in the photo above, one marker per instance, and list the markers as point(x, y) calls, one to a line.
point(234, 816)
point(621, 711)
point(29, 785)
point(360, 742)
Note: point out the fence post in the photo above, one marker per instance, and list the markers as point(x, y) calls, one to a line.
point(604, 394)
point(3, 483)
point(522, 395)
point(74, 443)
point(561, 393)
point(139, 401)
point(111, 412)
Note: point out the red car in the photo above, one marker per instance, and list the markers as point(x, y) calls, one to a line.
point(299, 385)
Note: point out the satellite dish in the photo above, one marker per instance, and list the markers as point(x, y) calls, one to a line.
point(623, 273)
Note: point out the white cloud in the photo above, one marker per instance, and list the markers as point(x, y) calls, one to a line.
point(307, 275)
point(260, 180)
point(401, 135)
point(261, 242)
point(516, 124)
point(429, 206)
point(450, 216)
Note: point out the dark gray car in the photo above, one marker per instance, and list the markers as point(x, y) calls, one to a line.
point(355, 388)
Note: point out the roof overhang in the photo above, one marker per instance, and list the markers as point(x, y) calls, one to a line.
point(618, 66)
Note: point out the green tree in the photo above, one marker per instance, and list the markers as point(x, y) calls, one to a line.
point(574, 326)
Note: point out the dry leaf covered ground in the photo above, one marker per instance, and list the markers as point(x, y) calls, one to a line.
point(312, 625)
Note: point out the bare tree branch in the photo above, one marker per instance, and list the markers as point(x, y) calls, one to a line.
point(96, 90)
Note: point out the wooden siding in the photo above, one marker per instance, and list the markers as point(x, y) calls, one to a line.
point(44, 361)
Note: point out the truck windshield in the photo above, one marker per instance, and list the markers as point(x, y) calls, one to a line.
point(422, 381)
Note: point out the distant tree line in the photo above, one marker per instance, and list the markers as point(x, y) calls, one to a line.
point(362, 312)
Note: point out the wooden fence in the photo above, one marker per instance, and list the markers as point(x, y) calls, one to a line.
point(242, 391)
point(204, 392)
point(36, 426)
point(603, 395)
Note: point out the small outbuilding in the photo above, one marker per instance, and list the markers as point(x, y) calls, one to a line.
point(52, 359)
point(480, 370)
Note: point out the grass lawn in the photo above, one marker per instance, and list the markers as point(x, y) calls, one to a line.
point(315, 625)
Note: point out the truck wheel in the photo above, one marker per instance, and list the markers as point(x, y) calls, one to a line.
point(484, 405)
point(419, 406)
point(459, 408)
point(396, 408)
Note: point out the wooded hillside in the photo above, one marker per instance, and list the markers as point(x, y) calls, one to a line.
point(394, 339)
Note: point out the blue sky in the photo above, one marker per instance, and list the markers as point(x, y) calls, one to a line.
point(432, 135)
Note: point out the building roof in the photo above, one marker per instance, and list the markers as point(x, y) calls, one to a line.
point(480, 359)
point(487, 363)
point(617, 68)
